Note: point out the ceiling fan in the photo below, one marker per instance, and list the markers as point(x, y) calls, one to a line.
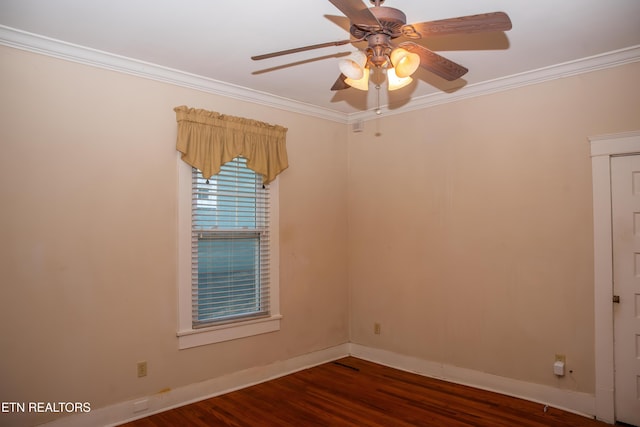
point(379, 26)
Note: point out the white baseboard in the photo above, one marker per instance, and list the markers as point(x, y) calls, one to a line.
point(147, 405)
point(579, 403)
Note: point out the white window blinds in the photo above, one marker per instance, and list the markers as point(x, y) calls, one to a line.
point(229, 245)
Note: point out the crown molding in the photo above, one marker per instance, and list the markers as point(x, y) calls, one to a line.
point(71, 52)
point(51, 47)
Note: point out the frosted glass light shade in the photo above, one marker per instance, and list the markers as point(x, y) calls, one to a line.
point(396, 82)
point(404, 62)
point(353, 66)
point(360, 84)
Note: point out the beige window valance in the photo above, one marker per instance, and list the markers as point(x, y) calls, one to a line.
point(207, 140)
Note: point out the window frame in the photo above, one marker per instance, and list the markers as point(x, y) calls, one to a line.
point(192, 337)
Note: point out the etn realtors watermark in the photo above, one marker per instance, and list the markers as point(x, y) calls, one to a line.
point(52, 407)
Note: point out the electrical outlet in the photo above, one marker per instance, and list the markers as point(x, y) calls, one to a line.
point(142, 369)
point(559, 366)
point(376, 328)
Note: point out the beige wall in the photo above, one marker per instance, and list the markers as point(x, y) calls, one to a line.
point(464, 229)
point(88, 237)
point(471, 230)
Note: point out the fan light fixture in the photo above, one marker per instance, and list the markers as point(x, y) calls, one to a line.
point(399, 66)
point(405, 63)
point(354, 65)
point(361, 83)
point(395, 81)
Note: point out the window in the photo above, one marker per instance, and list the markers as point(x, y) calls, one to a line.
point(229, 245)
point(228, 255)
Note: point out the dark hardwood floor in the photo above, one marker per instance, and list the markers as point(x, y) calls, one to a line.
point(354, 392)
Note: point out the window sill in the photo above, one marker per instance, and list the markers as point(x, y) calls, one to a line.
point(215, 334)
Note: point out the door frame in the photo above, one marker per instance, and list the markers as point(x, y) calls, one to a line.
point(604, 147)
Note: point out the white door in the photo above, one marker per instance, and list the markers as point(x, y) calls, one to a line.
point(625, 194)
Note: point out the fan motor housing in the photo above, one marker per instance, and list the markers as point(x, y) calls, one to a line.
point(392, 21)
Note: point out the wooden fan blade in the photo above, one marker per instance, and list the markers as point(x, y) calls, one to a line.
point(340, 83)
point(357, 12)
point(435, 63)
point(299, 49)
point(486, 22)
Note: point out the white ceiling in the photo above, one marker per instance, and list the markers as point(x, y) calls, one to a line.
point(215, 39)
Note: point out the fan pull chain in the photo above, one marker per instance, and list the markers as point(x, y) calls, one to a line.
point(378, 110)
